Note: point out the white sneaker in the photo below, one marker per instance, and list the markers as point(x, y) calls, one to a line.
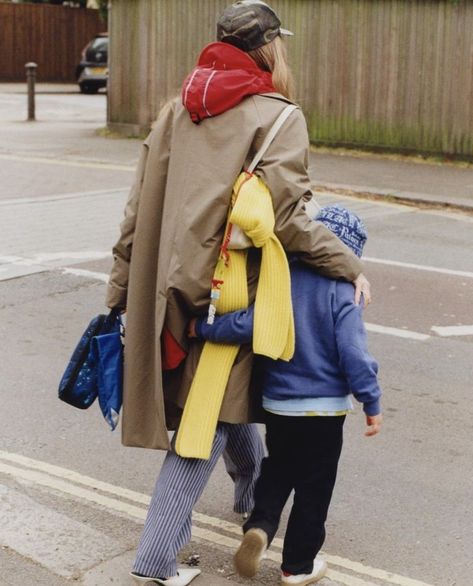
point(250, 552)
point(319, 571)
point(184, 577)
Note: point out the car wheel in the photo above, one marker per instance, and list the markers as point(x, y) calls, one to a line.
point(88, 89)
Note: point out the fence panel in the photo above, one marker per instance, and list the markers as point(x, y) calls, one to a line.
point(51, 36)
point(382, 73)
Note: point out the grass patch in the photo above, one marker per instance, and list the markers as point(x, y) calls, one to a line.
point(418, 158)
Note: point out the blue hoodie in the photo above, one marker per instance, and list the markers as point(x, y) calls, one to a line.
point(331, 357)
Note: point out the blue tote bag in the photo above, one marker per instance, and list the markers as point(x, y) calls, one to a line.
point(96, 368)
point(106, 356)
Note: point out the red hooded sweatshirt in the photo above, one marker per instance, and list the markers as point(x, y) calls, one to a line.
point(223, 77)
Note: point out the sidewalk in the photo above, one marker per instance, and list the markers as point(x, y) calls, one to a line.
point(68, 124)
point(40, 88)
point(435, 184)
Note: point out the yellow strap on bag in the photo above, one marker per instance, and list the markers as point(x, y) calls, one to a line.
point(273, 334)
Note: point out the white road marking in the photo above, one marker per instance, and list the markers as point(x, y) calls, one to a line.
point(10, 259)
point(84, 273)
point(408, 265)
point(16, 508)
point(44, 474)
point(70, 489)
point(48, 257)
point(66, 163)
point(70, 255)
point(388, 577)
point(73, 476)
point(446, 331)
point(331, 559)
point(397, 332)
point(345, 579)
point(104, 277)
point(13, 267)
point(62, 196)
point(15, 260)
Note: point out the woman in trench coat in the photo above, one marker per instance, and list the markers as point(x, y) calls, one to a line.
point(169, 244)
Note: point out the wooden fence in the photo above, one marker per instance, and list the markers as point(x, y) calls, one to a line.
point(51, 36)
point(395, 74)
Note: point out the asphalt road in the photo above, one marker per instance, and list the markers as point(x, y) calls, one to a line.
point(402, 511)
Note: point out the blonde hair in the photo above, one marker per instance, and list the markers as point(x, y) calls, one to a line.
point(272, 57)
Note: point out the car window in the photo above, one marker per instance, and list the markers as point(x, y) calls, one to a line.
point(100, 44)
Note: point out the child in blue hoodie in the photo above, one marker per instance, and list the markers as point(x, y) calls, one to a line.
point(306, 401)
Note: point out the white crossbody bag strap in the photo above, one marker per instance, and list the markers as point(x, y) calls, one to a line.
point(238, 239)
point(270, 136)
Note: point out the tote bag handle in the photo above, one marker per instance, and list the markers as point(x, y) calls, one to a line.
point(270, 136)
point(238, 240)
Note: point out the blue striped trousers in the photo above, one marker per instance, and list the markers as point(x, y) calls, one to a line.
point(180, 484)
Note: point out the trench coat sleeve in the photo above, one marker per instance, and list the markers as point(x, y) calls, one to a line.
point(118, 282)
point(284, 169)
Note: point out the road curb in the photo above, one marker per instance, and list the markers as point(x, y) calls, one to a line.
point(418, 200)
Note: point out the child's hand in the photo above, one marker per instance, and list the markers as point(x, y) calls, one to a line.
point(362, 288)
point(374, 424)
point(191, 333)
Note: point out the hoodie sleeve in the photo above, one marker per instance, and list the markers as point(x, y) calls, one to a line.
point(284, 169)
point(359, 367)
point(232, 328)
point(159, 140)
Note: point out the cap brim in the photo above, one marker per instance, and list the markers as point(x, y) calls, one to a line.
point(285, 32)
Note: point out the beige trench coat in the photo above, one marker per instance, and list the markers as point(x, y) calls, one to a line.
point(169, 243)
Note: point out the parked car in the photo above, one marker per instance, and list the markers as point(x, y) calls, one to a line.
point(92, 71)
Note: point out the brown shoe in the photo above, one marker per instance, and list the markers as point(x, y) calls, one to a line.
point(250, 552)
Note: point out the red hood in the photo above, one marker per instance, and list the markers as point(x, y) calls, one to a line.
point(223, 77)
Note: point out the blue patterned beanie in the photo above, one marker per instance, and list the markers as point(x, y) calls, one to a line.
point(346, 225)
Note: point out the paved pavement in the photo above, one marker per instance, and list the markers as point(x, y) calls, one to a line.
point(72, 500)
point(428, 183)
point(405, 178)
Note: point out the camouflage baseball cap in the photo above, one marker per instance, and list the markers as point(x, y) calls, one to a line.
point(249, 24)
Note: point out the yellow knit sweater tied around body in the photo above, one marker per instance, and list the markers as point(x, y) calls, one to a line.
point(273, 331)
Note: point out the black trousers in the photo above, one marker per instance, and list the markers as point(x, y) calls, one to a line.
point(303, 454)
